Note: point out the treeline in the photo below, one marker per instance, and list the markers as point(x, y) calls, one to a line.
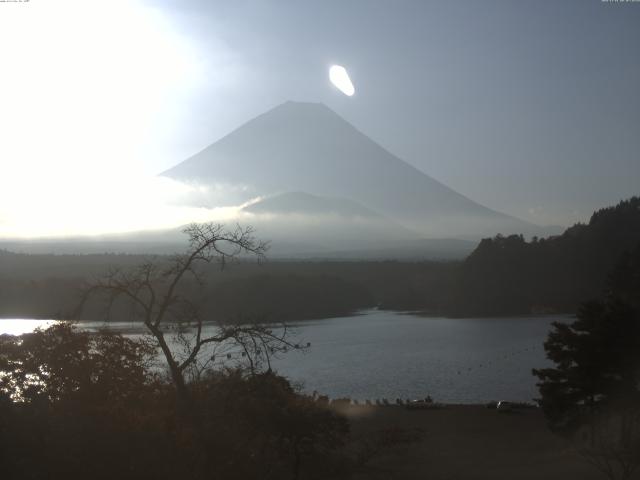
point(508, 275)
point(505, 275)
point(41, 286)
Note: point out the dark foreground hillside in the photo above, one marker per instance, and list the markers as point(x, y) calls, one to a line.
point(466, 442)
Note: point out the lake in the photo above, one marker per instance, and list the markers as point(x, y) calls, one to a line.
point(381, 354)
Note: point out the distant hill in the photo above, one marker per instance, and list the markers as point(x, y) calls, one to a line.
point(506, 274)
point(410, 250)
point(306, 147)
point(301, 225)
point(301, 203)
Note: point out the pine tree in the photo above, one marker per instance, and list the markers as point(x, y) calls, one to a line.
point(597, 361)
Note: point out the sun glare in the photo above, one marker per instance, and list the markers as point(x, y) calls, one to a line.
point(82, 84)
point(340, 78)
point(104, 206)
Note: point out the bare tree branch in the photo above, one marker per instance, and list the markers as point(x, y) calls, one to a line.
point(152, 289)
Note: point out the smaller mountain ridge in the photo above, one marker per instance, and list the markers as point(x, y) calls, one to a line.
point(302, 203)
point(299, 224)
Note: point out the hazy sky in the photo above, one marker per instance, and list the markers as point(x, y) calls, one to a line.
point(531, 108)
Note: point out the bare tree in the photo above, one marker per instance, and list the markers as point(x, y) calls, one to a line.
point(156, 293)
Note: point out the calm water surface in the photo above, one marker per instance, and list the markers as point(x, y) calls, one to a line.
point(382, 354)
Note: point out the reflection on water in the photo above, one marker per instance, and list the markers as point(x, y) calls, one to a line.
point(382, 354)
point(18, 326)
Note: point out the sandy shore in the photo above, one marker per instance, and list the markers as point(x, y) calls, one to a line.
point(466, 442)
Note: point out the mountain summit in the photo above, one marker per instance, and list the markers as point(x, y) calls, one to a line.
point(307, 147)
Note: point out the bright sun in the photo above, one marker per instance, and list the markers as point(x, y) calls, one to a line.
point(81, 84)
point(340, 78)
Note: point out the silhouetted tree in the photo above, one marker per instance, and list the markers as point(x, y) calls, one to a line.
point(79, 405)
point(624, 281)
point(508, 275)
point(597, 361)
point(159, 297)
point(62, 362)
point(593, 393)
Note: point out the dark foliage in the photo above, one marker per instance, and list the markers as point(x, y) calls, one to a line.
point(597, 357)
point(597, 363)
point(289, 297)
point(508, 275)
point(42, 286)
point(624, 281)
point(75, 405)
point(270, 428)
point(84, 406)
point(592, 394)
